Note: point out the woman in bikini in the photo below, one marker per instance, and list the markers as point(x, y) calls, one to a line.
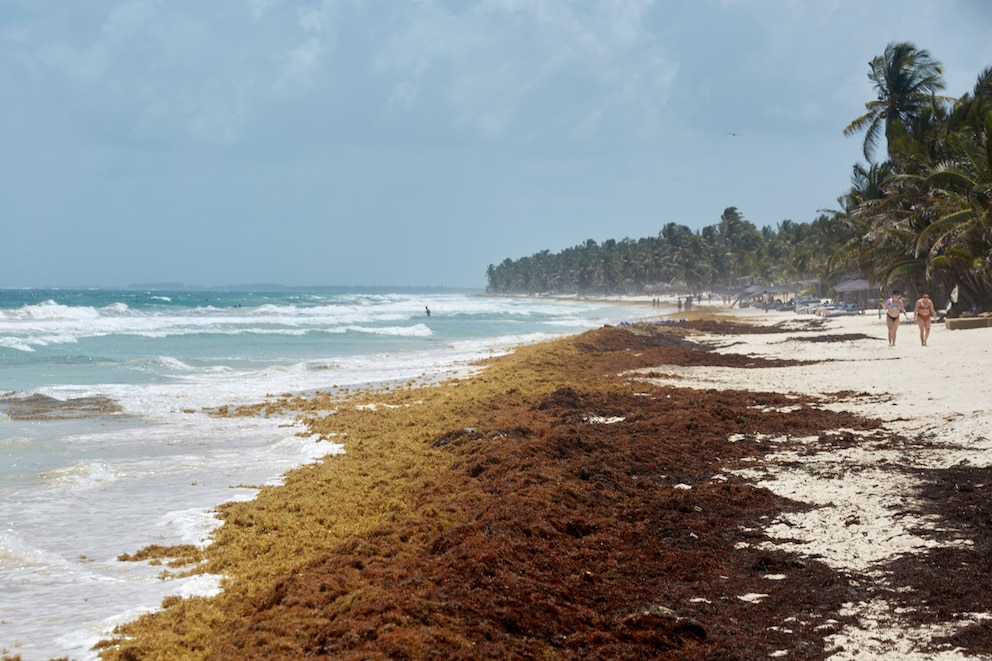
point(922, 313)
point(893, 307)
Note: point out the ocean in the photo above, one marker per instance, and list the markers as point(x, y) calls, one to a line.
point(105, 447)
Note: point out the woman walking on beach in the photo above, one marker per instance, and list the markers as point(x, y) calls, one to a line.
point(921, 313)
point(894, 306)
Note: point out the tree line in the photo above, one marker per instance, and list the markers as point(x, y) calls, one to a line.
point(918, 219)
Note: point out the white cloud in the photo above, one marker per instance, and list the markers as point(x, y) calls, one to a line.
point(503, 63)
point(102, 57)
point(157, 72)
point(221, 121)
point(315, 17)
point(403, 94)
point(260, 7)
point(300, 65)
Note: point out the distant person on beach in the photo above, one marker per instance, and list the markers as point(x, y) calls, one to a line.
point(680, 304)
point(428, 310)
point(766, 300)
point(921, 313)
point(893, 307)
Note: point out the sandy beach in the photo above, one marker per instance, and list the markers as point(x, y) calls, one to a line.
point(784, 487)
point(866, 495)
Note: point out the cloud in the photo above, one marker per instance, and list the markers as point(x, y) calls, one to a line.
point(260, 7)
point(500, 65)
point(163, 73)
point(300, 65)
point(156, 73)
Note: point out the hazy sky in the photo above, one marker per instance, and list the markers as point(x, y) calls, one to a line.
point(415, 142)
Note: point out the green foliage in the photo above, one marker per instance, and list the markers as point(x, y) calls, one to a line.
point(719, 256)
point(925, 215)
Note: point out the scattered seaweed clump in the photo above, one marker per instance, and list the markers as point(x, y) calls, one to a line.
point(177, 556)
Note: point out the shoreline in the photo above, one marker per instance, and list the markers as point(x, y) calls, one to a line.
point(412, 474)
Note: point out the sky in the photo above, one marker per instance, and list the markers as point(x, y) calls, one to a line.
point(416, 142)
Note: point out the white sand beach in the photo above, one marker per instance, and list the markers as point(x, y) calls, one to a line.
point(939, 397)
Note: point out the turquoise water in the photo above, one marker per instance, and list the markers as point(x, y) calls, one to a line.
point(79, 487)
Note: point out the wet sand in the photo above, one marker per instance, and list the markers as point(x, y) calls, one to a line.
point(787, 488)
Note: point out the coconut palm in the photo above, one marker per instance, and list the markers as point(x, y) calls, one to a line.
point(906, 79)
point(959, 239)
point(972, 109)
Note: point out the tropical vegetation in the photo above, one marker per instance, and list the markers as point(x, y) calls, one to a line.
point(918, 219)
point(723, 257)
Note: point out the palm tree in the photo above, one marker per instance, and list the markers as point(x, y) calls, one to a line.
point(864, 220)
point(972, 109)
point(959, 239)
point(906, 79)
point(867, 184)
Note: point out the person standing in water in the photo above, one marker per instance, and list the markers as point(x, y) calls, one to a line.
point(428, 310)
point(893, 307)
point(921, 313)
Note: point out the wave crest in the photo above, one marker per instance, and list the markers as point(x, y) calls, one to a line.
point(417, 330)
point(51, 310)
